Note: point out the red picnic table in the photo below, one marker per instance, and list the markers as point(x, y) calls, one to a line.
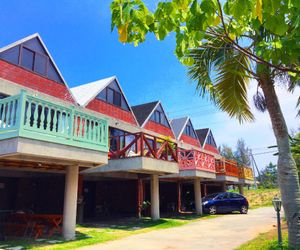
point(36, 222)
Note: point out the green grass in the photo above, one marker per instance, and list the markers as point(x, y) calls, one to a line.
point(260, 197)
point(91, 234)
point(266, 241)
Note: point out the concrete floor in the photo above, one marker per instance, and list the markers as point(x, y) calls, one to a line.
point(225, 232)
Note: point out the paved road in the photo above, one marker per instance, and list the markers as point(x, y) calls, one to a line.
point(224, 232)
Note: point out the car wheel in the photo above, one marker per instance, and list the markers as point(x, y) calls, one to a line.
point(212, 210)
point(244, 209)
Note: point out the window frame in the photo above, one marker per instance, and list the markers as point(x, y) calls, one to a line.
point(34, 60)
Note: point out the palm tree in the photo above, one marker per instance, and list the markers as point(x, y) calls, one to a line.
point(224, 71)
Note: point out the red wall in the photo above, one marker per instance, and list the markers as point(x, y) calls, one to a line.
point(34, 81)
point(158, 128)
point(211, 148)
point(111, 110)
point(190, 140)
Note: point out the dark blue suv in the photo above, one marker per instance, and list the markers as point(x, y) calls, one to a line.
point(225, 203)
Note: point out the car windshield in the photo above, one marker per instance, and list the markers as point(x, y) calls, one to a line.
point(209, 197)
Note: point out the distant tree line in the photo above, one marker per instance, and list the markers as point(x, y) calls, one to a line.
point(241, 154)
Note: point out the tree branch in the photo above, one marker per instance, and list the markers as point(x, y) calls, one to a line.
point(247, 52)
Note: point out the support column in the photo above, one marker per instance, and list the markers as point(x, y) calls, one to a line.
point(205, 190)
point(224, 189)
point(198, 199)
point(178, 197)
point(154, 197)
point(241, 189)
point(70, 202)
point(140, 198)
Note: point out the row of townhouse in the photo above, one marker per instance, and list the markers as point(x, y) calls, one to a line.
point(86, 153)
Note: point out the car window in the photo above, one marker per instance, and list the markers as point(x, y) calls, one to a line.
point(226, 196)
point(234, 196)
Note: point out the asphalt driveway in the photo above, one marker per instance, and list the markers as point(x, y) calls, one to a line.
point(224, 232)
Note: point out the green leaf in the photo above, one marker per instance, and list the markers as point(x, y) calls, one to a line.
point(277, 25)
point(187, 61)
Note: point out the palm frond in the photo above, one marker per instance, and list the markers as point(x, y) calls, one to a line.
point(232, 86)
point(228, 89)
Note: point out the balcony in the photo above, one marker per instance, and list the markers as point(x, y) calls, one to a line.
point(246, 175)
point(194, 163)
point(141, 153)
point(33, 126)
point(227, 170)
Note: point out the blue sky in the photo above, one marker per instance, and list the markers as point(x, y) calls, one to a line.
point(77, 34)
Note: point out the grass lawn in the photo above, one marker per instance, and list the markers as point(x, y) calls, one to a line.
point(90, 234)
point(260, 197)
point(266, 241)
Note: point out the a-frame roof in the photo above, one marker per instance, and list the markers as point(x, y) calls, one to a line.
point(28, 38)
point(38, 37)
point(85, 93)
point(144, 111)
point(179, 124)
point(202, 134)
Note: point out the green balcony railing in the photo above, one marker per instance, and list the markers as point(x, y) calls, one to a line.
point(28, 116)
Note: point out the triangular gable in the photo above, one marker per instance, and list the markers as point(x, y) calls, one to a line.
point(86, 93)
point(202, 134)
point(178, 126)
point(210, 140)
point(163, 120)
point(189, 130)
point(32, 54)
point(142, 112)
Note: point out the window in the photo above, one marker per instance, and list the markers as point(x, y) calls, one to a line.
point(114, 97)
point(32, 56)
point(27, 60)
point(158, 116)
point(112, 94)
point(189, 131)
point(210, 140)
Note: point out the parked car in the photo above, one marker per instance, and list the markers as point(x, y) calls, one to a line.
point(224, 203)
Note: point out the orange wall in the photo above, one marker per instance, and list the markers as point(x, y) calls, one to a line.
point(190, 140)
point(158, 128)
point(34, 81)
point(111, 110)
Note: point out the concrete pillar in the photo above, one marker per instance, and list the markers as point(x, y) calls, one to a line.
point(198, 200)
point(155, 197)
point(224, 188)
point(70, 202)
point(178, 197)
point(241, 189)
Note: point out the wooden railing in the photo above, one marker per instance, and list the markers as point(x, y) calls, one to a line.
point(245, 173)
point(32, 117)
point(194, 159)
point(142, 145)
point(227, 167)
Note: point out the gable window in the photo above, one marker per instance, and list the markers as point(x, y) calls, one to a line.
point(159, 117)
point(210, 140)
point(113, 95)
point(33, 60)
point(32, 56)
point(189, 131)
